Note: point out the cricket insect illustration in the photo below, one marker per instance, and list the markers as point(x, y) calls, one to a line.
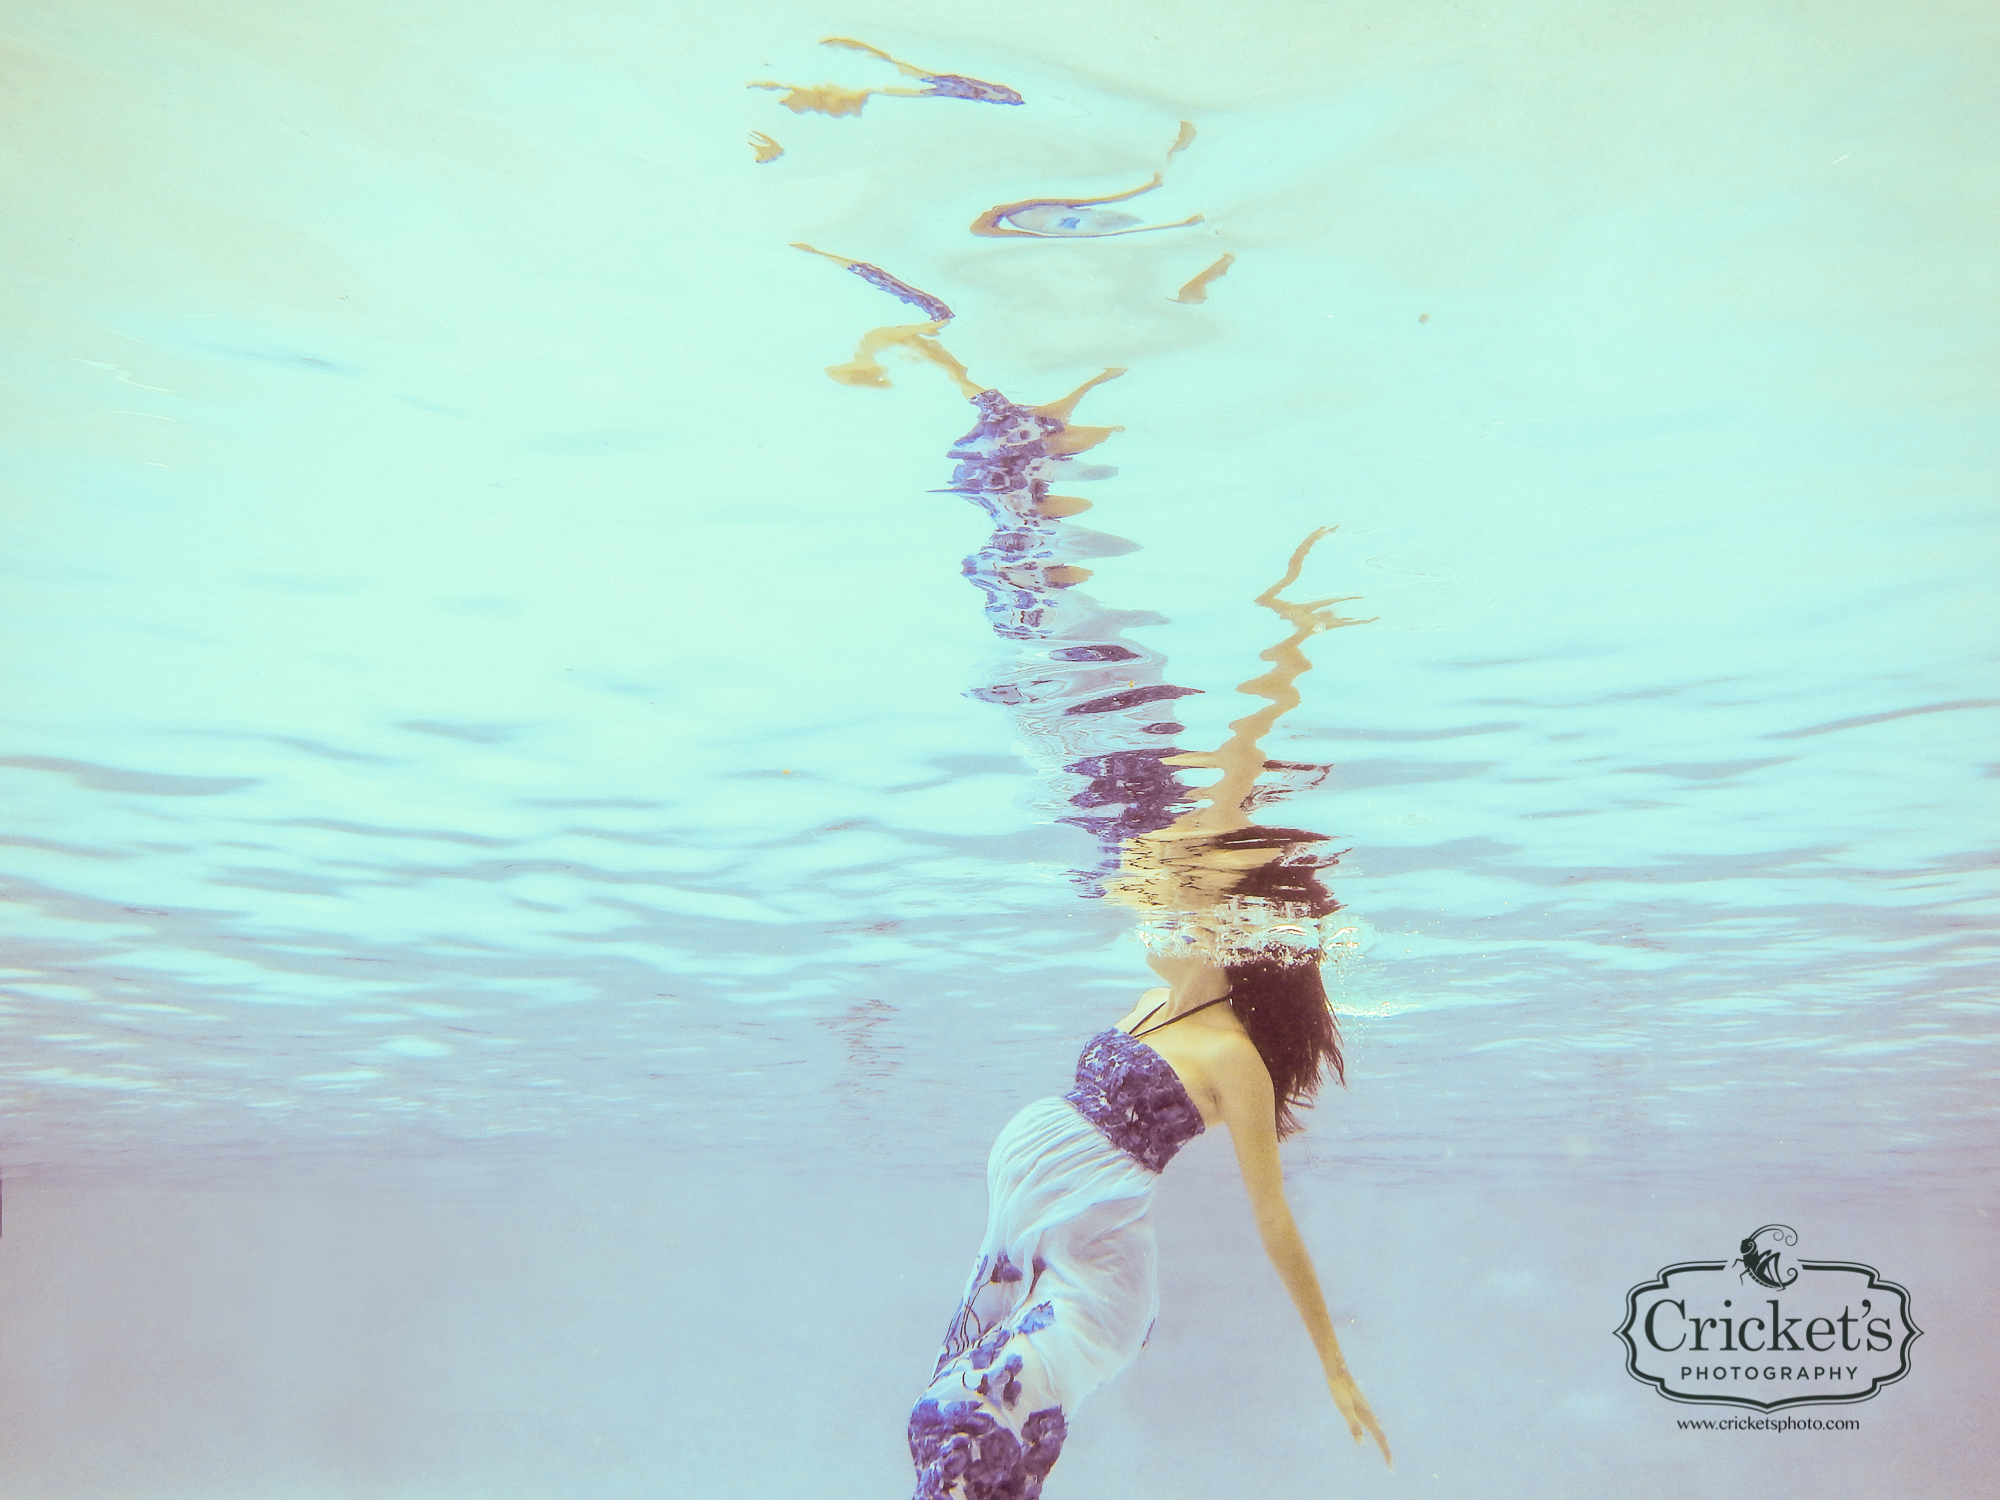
point(1760, 1263)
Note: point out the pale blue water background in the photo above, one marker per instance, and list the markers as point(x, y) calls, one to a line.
point(518, 941)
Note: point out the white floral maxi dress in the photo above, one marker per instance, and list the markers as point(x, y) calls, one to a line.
point(1063, 1295)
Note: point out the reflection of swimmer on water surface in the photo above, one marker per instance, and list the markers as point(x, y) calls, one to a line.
point(1078, 218)
point(831, 99)
point(916, 338)
point(1087, 697)
point(1196, 289)
point(932, 307)
point(942, 85)
point(1091, 701)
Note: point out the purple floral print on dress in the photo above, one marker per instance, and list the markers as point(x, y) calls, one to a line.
point(957, 1443)
point(1128, 1091)
point(1036, 1318)
point(988, 1349)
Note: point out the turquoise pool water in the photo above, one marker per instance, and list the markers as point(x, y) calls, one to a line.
point(520, 931)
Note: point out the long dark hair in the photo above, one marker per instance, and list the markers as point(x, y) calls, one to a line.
point(1283, 1004)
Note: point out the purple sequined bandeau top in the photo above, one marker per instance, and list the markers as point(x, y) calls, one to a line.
point(1128, 1091)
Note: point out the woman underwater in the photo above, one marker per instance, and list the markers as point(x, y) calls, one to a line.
point(1063, 1295)
point(1234, 917)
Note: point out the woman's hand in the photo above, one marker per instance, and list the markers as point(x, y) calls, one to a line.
point(1354, 1406)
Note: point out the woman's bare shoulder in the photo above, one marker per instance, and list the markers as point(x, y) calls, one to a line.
point(1230, 1049)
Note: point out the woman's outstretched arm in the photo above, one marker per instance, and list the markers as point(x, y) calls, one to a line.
point(1249, 1110)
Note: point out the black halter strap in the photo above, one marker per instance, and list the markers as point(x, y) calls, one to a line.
point(1135, 1032)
